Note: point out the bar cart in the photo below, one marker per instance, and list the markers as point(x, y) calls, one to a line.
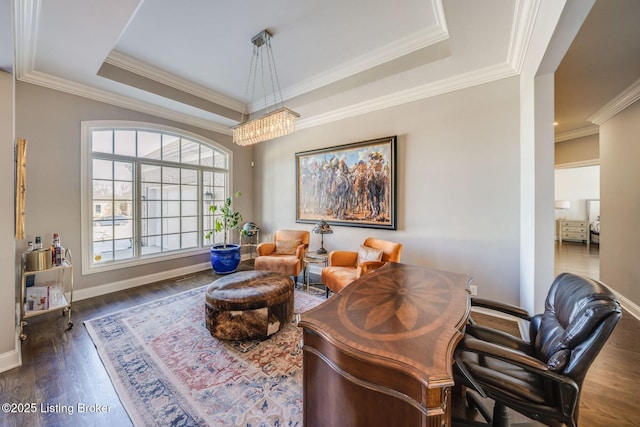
point(37, 300)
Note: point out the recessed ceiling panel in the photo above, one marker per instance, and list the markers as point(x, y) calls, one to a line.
point(209, 42)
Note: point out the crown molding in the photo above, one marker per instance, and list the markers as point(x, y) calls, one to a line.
point(405, 46)
point(576, 133)
point(120, 60)
point(523, 23)
point(56, 83)
point(27, 18)
point(578, 164)
point(477, 77)
point(27, 13)
point(627, 97)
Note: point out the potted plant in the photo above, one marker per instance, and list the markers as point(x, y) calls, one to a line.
point(225, 256)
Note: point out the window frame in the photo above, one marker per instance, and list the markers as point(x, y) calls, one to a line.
point(86, 198)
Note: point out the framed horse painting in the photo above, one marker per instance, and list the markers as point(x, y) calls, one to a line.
point(353, 184)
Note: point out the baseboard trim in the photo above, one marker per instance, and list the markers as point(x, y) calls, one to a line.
point(13, 358)
point(9, 360)
point(628, 305)
point(95, 291)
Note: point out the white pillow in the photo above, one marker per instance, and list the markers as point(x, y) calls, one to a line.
point(366, 253)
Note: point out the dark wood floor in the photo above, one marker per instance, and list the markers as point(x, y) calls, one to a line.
point(63, 368)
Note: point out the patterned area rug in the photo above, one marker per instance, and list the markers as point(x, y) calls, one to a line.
point(169, 371)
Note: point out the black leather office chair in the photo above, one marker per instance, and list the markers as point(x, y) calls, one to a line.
point(540, 378)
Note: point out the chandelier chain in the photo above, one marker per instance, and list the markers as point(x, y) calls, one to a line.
point(252, 68)
point(275, 82)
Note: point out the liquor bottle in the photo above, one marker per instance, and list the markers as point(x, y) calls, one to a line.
point(30, 248)
point(38, 244)
point(56, 250)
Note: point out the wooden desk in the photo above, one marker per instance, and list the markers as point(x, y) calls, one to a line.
point(379, 353)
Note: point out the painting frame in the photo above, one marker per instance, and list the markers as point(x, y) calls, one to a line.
point(349, 185)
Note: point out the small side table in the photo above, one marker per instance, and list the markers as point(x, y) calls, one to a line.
point(313, 258)
point(251, 240)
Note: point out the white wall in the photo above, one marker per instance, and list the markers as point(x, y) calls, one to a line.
point(578, 151)
point(458, 182)
point(9, 356)
point(576, 185)
point(620, 202)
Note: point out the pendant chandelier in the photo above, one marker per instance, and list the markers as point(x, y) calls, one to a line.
point(277, 120)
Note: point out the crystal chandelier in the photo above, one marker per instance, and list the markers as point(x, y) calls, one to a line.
point(273, 124)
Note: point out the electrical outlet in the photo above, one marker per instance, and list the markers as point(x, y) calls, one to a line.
point(473, 290)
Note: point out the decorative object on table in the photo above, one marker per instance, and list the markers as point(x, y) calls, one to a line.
point(353, 184)
point(322, 228)
point(225, 257)
point(562, 205)
point(256, 382)
point(277, 120)
point(250, 229)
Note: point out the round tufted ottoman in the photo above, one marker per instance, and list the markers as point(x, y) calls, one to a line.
point(248, 305)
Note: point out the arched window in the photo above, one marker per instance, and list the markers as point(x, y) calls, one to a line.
point(146, 193)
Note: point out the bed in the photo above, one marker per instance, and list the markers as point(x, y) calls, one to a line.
point(593, 215)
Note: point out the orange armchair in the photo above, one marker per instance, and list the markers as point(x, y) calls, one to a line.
point(283, 255)
point(346, 266)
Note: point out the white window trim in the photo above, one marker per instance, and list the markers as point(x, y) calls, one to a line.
point(86, 192)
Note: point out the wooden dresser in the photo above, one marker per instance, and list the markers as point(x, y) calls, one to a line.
point(379, 353)
point(573, 230)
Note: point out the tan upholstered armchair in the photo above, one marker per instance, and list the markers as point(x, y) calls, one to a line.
point(283, 255)
point(346, 266)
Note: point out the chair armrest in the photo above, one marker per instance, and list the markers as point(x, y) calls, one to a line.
point(501, 307)
point(368, 267)
point(499, 337)
point(265, 248)
point(343, 258)
point(566, 386)
point(300, 250)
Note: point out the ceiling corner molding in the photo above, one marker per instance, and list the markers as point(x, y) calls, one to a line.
point(617, 104)
point(477, 77)
point(438, 11)
point(56, 83)
point(578, 164)
point(523, 23)
point(576, 133)
point(27, 13)
point(411, 43)
point(120, 60)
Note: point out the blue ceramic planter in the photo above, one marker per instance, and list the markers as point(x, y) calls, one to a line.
point(225, 260)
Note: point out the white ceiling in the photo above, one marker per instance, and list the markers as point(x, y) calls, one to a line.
point(189, 61)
